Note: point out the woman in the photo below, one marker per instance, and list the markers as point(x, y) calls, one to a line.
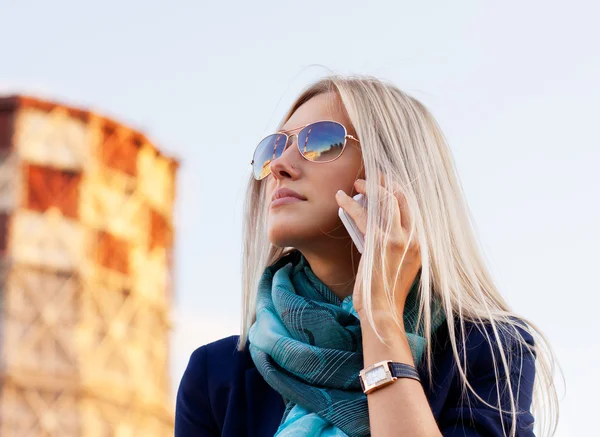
point(410, 337)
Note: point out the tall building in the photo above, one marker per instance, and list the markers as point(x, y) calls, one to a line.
point(86, 236)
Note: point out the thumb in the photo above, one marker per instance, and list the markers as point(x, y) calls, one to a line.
point(354, 209)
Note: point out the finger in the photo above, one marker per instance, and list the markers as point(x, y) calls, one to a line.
point(395, 188)
point(354, 209)
point(402, 205)
point(382, 193)
point(361, 186)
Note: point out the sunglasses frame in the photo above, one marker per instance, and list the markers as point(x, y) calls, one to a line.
point(299, 129)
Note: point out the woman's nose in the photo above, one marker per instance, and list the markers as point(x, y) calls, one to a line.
point(282, 164)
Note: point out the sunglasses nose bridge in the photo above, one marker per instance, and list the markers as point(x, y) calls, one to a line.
point(279, 151)
point(290, 141)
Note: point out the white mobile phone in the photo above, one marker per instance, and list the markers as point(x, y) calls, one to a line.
point(357, 237)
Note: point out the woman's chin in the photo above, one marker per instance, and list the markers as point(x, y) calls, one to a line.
point(285, 234)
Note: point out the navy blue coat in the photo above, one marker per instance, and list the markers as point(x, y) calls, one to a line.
point(223, 394)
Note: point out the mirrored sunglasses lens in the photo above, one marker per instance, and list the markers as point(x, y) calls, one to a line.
point(322, 141)
point(268, 149)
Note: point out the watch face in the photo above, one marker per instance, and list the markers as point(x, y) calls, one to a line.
point(375, 375)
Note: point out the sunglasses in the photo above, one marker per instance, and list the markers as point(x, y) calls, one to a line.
point(321, 142)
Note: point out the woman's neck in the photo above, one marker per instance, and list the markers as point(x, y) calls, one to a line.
point(336, 269)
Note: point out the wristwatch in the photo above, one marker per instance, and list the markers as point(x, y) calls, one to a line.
point(385, 372)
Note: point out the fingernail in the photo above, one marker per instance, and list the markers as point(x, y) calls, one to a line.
point(340, 193)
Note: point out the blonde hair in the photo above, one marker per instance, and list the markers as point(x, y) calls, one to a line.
point(400, 138)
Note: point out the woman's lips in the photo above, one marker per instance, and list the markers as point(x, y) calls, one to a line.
point(285, 201)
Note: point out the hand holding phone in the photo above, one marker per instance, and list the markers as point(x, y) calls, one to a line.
point(357, 237)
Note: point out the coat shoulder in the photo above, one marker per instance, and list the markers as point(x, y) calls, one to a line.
point(218, 361)
point(492, 383)
point(515, 339)
point(203, 392)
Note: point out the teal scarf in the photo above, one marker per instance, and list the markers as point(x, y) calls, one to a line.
point(307, 345)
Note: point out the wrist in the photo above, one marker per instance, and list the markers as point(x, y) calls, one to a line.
point(384, 319)
point(395, 345)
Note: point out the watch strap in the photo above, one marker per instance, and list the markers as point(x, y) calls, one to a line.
point(403, 370)
point(385, 372)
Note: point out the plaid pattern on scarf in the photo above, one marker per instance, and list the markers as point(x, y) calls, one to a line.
point(307, 345)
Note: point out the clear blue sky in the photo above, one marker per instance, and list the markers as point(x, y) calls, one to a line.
point(515, 86)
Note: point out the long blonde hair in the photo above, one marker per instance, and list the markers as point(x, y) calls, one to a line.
point(400, 138)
